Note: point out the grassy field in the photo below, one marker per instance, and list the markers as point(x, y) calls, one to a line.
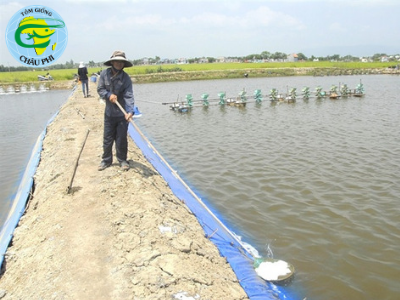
point(243, 66)
point(200, 71)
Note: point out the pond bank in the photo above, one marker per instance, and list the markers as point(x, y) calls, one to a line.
point(217, 74)
point(255, 73)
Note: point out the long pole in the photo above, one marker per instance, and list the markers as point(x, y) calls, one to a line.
point(69, 188)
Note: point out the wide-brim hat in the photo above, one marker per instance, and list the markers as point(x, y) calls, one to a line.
point(118, 55)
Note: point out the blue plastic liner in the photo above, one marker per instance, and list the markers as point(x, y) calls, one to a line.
point(22, 195)
point(229, 246)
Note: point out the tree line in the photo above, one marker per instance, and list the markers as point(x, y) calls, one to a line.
point(263, 56)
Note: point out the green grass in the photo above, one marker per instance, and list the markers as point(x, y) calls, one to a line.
point(242, 66)
point(29, 76)
point(68, 74)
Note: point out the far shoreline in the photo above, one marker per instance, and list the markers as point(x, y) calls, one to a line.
point(215, 75)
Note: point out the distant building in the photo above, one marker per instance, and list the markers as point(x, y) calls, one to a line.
point(292, 57)
point(221, 59)
point(181, 61)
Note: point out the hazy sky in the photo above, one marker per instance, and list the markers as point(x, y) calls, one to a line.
point(197, 28)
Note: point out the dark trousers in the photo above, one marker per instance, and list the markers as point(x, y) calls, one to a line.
point(85, 85)
point(115, 129)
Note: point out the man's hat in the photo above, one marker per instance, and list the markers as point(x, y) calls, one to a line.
point(118, 55)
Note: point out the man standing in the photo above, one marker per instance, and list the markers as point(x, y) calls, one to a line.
point(115, 85)
point(82, 75)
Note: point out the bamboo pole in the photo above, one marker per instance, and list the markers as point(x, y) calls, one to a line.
point(69, 188)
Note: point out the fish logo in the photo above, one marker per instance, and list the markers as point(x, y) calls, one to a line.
point(36, 36)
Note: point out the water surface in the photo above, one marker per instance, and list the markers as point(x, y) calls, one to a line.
point(317, 181)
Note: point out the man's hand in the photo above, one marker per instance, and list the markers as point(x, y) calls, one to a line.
point(113, 98)
point(128, 117)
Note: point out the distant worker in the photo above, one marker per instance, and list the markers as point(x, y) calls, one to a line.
point(115, 85)
point(82, 76)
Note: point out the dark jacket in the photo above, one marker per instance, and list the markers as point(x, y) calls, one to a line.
point(120, 85)
point(82, 73)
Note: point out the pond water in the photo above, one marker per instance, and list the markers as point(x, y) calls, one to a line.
point(316, 182)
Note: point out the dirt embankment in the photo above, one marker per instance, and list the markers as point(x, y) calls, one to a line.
point(217, 74)
point(118, 235)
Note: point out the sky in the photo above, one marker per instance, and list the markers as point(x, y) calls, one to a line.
point(217, 28)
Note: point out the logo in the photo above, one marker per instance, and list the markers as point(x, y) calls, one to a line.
point(36, 36)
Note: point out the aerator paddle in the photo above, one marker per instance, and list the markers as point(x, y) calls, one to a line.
point(272, 270)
